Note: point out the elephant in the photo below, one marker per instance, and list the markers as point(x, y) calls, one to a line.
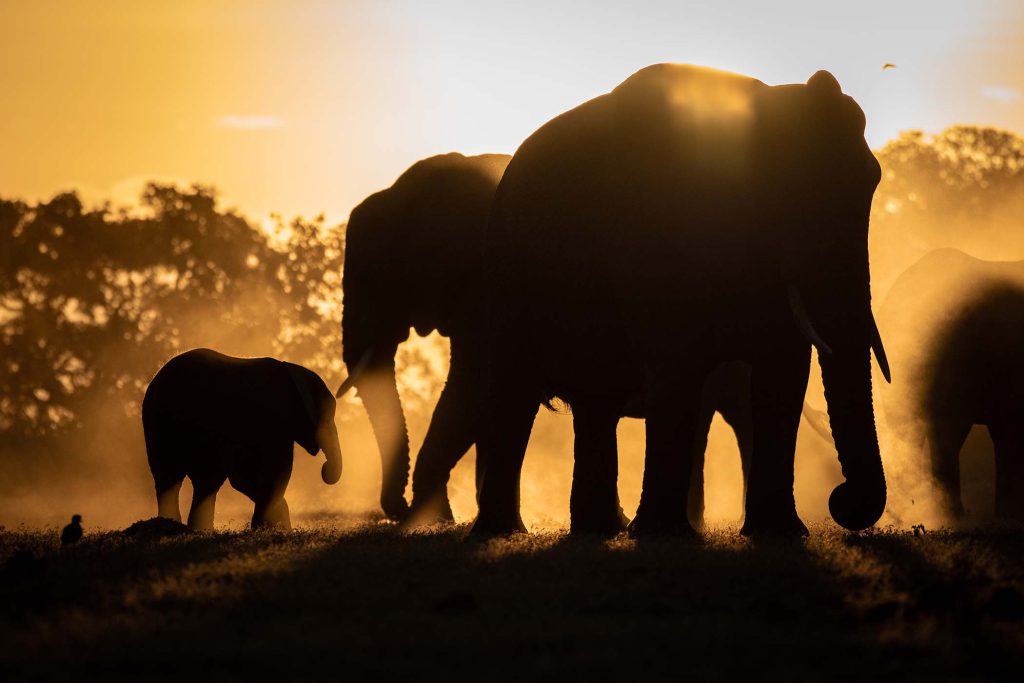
point(212, 417)
point(687, 218)
point(413, 259)
point(436, 214)
point(956, 328)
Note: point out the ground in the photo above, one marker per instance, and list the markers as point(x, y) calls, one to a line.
point(360, 599)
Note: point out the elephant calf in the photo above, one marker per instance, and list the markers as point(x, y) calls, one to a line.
point(212, 417)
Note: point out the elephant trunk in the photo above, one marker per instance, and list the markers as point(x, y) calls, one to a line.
point(378, 388)
point(858, 502)
point(327, 437)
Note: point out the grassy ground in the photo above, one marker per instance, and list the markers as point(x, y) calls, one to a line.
point(361, 600)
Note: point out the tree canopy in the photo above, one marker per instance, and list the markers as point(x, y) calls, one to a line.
point(93, 301)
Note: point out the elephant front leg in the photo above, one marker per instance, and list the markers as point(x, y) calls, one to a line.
point(946, 437)
point(778, 385)
point(204, 501)
point(272, 513)
point(451, 433)
point(594, 502)
point(167, 500)
point(672, 405)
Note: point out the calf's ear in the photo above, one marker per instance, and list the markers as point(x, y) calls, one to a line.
point(303, 380)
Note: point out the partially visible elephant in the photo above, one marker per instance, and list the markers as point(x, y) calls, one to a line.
point(413, 259)
point(212, 417)
point(688, 218)
point(955, 325)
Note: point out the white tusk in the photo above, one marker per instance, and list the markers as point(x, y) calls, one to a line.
point(876, 346)
point(350, 381)
point(803, 322)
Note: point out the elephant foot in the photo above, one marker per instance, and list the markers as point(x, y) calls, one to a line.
point(435, 510)
point(395, 509)
point(605, 526)
point(659, 526)
point(774, 526)
point(489, 526)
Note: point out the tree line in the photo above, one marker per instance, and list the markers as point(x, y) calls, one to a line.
point(94, 299)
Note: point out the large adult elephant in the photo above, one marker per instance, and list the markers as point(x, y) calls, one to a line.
point(413, 259)
point(956, 329)
point(687, 218)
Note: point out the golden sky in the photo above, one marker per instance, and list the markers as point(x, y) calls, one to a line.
point(303, 106)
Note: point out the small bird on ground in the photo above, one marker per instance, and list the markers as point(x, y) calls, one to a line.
point(72, 532)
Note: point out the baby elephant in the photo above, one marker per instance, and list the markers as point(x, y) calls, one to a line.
point(211, 417)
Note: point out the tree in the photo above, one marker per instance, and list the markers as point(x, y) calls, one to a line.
point(962, 188)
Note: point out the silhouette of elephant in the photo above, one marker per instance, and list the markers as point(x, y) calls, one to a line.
point(687, 218)
point(212, 417)
point(436, 214)
point(413, 259)
point(956, 329)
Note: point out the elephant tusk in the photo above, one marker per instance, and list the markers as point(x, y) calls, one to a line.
point(819, 422)
point(876, 346)
point(350, 381)
point(803, 322)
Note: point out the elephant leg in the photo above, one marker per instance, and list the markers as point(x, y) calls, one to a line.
point(946, 436)
point(594, 502)
point(263, 475)
point(738, 415)
point(204, 500)
point(167, 499)
point(451, 433)
point(504, 434)
point(272, 513)
point(695, 500)
point(164, 452)
point(672, 398)
point(778, 386)
point(1008, 438)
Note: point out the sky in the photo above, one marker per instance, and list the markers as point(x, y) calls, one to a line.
point(306, 106)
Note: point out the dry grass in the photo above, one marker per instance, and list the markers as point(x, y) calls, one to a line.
point(360, 599)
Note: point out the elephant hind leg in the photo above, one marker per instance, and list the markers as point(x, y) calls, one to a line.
point(695, 501)
point(594, 502)
point(1008, 438)
point(672, 397)
point(507, 421)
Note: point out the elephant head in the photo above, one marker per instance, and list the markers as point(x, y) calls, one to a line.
point(412, 258)
point(822, 175)
point(314, 427)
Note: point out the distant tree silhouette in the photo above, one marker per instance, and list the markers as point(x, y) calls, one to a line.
point(961, 188)
point(93, 301)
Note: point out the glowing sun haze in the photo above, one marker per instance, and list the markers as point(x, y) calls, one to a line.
point(300, 107)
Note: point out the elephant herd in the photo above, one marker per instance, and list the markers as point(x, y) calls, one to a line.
point(667, 250)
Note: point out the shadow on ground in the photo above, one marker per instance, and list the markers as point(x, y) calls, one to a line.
point(362, 599)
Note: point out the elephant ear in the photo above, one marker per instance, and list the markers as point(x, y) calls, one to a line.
point(824, 83)
point(303, 381)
